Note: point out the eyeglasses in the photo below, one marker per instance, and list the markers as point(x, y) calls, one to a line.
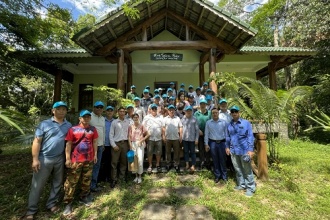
point(98, 107)
point(233, 111)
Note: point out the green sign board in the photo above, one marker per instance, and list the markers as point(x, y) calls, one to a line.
point(166, 56)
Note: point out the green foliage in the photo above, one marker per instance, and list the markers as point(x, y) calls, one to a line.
point(323, 122)
point(11, 118)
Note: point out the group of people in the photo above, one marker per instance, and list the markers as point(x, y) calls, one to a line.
point(96, 149)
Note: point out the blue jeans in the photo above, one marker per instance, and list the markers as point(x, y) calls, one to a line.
point(96, 167)
point(244, 174)
point(189, 150)
point(39, 180)
point(218, 154)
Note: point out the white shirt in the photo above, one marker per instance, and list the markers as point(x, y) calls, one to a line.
point(99, 123)
point(172, 127)
point(199, 98)
point(118, 131)
point(154, 126)
point(140, 111)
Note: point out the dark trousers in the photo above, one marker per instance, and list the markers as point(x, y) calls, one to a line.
point(105, 169)
point(218, 153)
point(204, 156)
point(121, 158)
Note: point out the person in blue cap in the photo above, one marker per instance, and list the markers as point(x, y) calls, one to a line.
point(132, 94)
point(172, 87)
point(48, 158)
point(146, 100)
point(105, 174)
point(138, 109)
point(172, 136)
point(182, 90)
point(190, 136)
point(191, 91)
point(240, 145)
point(129, 113)
point(204, 88)
point(81, 155)
point(210, 104)
point(147, 88)
point(198, 96)
point(98, 121)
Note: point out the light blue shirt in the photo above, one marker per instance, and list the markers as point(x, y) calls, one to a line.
point(215, 130)
point(107, 131)
point(53, 137)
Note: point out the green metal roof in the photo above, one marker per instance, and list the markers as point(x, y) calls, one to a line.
point(277, 51)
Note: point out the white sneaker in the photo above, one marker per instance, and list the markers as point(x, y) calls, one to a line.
point(139, 180)
point(135, 180)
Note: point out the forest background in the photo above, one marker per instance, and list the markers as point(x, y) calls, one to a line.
point(26, 93)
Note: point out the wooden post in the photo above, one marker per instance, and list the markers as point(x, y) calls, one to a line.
point(201, 74)
point(58, 86)
point(144, 34)
point(262, 156)
point(129, 75)
point(272, 76)
point(212, 69)
point(187, 33)
point(120, 70)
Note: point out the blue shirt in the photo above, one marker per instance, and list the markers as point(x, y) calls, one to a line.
point(107, 131)
point(53, 137)
point(215, 130)
point(240, 137)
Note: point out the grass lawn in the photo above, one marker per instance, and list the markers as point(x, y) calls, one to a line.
point(298, 188)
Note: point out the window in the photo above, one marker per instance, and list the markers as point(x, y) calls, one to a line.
point(164, 85)
point(85, 97)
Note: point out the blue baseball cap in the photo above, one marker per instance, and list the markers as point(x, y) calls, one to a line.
point(133, 87)
point(169, 90)
point(84, 112)
point(208, 97)
point(59, 104)
point(110, 108)
point(153, 106)
point(171, 106)
point(202, 101)
point(98, 103)
point(157, 97)
point(156, 91)
point(198, 88)
point(147, 87)
point(208, 90)
point(190, 87)
point(137, 99)
point(205, 84)
point(164, 96)
point(171, 98)
point(146, 91)
point(235, 107)
point(181, 90)
point(171, 83)
point(188, 108)
point(182, 85)
point(222, 101)
point(129, 106)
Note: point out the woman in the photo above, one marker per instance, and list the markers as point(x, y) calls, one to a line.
point(137, 134)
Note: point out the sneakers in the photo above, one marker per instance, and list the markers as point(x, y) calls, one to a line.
point(238, 188)
point(67, 209)
point(135, 180)
point(248, 193)
point(177, 168)
point(86, 201)
point(139, 180)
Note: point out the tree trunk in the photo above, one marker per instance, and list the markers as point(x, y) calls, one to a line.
point(276, 32)
point(288, 78)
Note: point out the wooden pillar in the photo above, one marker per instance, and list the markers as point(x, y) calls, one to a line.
point(272, 76)
point(58, 86)
point(120, 70)
point(201, 74)
point(144, 34)
point(187, 33)
point(129, 75)
point(262, 156)
point(212, 69)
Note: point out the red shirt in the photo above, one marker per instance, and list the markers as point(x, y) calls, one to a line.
point(82, 143)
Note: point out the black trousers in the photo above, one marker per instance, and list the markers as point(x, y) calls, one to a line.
point(105, 169)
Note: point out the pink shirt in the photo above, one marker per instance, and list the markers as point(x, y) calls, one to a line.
point(136, 134)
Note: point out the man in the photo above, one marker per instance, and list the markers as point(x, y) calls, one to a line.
point(149, 93)
point(153, 122)
point(190, 137)
point(119, 143)
point(215, 142)
point(202, 116)
point(192, 103)
point(204, 88)
point(146, 100)
point(240, 145)
point(138, 109)
point(182, 90)
point(157, 102)
point(172, 136)
point(172, 87)
point(105, 168)
point(48, 158)
point(132, 94)
point(98, 122)
point(198, 96)
point(191, 91)
point(129, 113)
point(81, 154)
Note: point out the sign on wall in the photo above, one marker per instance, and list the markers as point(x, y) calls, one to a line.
point(166, 56)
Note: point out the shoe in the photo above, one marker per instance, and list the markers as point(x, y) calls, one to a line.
point(238, 188)
point(86, 201)
point(159, 169)
point(248, 193)
point(216, 180)
point(149, 169)
point(139, 180)
point(28, 217)
point(168, 167)
point(113, 184)
point(177, 168)
point(135, 180)
point(54, 209)
point(67, 209)
point(97, 189)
